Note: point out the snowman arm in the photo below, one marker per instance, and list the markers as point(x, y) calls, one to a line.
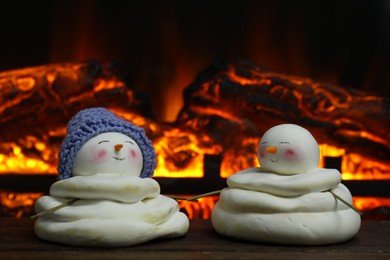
point(346, 202)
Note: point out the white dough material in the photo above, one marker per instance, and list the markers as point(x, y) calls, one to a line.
point(294, 228)
point(295, 150)
point(98, 156)
point(312, 218)
point(120, 188)
point(285, 185)
point(294, 206)
point(114, 206)
point(105, 223)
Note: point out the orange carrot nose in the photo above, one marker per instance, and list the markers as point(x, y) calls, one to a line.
point(271, 149)
point(118, 147)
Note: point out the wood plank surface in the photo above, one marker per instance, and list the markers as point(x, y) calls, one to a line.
point(18, 241)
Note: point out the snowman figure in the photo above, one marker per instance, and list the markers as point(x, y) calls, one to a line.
point(105, 165)
point(288, 199)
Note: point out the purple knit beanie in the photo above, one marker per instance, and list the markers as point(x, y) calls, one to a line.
point(91, 122)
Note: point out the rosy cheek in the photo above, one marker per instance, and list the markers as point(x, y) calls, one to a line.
point(99, 155)
point(262, 153)
point(290, 154)
point(133, 154)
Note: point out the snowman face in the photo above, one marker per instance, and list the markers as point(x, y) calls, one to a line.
point(288, 149)
point(109, 153)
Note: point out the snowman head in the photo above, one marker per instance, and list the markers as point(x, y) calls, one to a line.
point(288, 149)
point(108, 153)
point(93, 125)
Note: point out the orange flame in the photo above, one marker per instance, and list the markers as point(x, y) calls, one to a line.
point(370, 203)
point(180, 151)
point(18, 204)
point(199, 210)
point(172, 143)
point(354, 166)
point(15, 161)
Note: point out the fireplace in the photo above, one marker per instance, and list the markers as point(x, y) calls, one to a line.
point(41, 90)
point(227, 108)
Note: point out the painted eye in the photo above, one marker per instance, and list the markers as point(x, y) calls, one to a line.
point(103, 141)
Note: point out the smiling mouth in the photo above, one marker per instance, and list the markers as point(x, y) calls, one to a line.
point(274, 160)
point(118, 158)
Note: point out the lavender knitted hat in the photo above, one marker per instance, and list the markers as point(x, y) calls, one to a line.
point(91, 122)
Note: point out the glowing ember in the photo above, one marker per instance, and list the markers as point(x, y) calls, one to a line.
point(18, 204)
point(36, 104)
point(370, 203)
point(226, 110)
point(199, 210)
point(208, 124)
point(248, 100)
point(357, 167)
point(22, 157)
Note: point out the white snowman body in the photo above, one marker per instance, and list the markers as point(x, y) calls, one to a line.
point(287, 199)
point(115, 207)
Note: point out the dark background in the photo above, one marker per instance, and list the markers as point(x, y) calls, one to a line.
point(165, 44)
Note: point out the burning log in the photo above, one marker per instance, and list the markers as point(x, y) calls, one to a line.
point(259, 98)
point(227, 108)
point(45, 96)
point(36, 103)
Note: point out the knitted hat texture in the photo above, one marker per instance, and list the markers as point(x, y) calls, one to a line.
point(91, 122)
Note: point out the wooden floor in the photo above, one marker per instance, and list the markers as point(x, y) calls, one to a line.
point(18, 241)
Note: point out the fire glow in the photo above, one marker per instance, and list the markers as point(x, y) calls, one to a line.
point(353, 167)
point(36, 104)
